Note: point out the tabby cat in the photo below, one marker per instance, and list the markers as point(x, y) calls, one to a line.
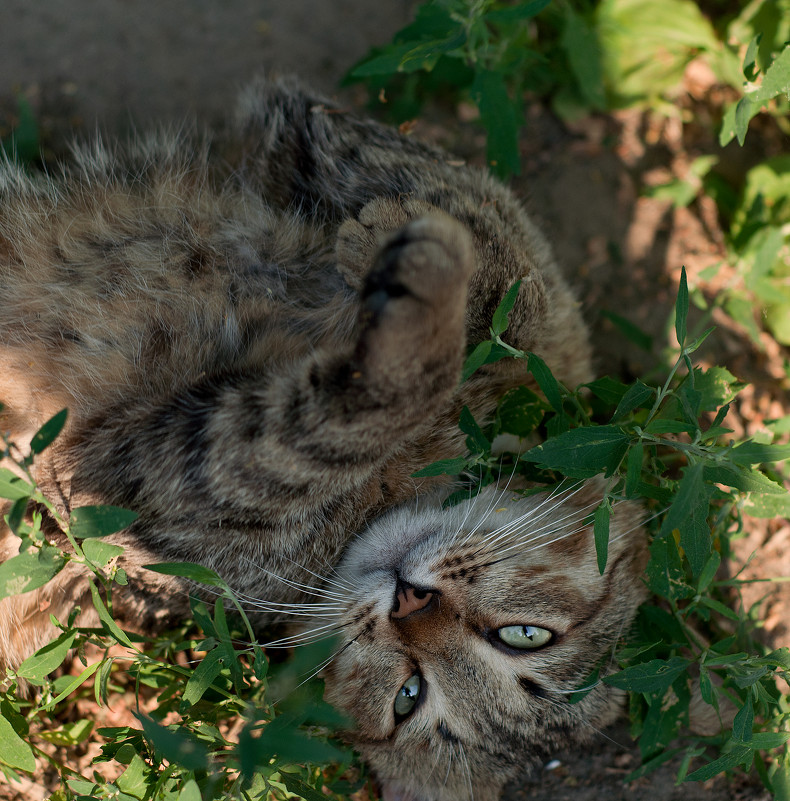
point(259, 344)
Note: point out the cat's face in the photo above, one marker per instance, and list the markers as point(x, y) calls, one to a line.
point(466, 631)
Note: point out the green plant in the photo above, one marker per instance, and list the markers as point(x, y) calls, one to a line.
point(668, 447)
point(204, 724)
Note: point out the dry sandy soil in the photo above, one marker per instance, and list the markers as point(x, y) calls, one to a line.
point(119, 64)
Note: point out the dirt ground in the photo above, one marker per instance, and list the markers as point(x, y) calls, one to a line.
point(120, 64)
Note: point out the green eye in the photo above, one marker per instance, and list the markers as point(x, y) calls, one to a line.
point(524, 637)
point(407, 696)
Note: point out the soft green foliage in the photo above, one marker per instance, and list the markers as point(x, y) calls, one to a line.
point(206, 725)
point(667, 447)
point(23, 144)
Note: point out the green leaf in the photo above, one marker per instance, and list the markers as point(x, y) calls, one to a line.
point(649, 677)
point(14, 751)
point(546, 381)
point(500, 320)
point(520, 412)
point(190, 792)
point(12, 487)
point(634, 469)
point(198, 573)
point(580, 43)
point(688, 514)
point(744, 721)
point(750, 68)
point(502, 118)
point(728, 761)
point(443, 467)
point(767, 505)
point(99, 521)
point(608, 390)
point(582, 452)
point(70, 734)
point(476, 359)
point(516, 13)
point(99, 552)
point(23, 144)
point(750, 453)
point(742, 479)
point(476, 439)
point(46, 435)
point(29, 570)
point(176, 745)
point(630, 331)
point(71, 684)
point(681, 308)
point(709, 572)
point(204, 674)
point(665, 571)
point(637, 396)
point(297, 786)
point(36, 667)
point(601, 533)
point(106, 617)
point(776, 80)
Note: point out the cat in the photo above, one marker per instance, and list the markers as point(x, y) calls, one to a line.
point(259, 342)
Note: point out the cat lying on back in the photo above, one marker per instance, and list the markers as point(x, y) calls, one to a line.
point(257, 352)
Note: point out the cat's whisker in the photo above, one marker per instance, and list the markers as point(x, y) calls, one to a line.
point(338, 582)
point(531, 517)
point(303, 638)
point(315, 671)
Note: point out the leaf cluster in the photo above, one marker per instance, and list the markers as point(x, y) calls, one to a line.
point(205, 725)
point(668, 448)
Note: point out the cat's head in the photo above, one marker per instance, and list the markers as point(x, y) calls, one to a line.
point(467, 629)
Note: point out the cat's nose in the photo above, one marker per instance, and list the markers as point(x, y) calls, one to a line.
point(408, 599)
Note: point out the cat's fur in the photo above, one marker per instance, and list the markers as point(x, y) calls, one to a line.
point(257, 352)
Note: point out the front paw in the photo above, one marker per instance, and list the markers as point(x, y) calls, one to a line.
point(414, 299)
point(360, 240)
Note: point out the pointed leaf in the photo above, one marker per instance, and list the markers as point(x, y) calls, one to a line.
point(100, 521)
point(14, 751)
point(682, 308)
point(48, 432)
point(582, 452)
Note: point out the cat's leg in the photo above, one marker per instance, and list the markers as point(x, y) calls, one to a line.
point(309, 431)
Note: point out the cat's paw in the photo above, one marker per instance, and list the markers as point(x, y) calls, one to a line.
point(360, 240)
point(414, 298)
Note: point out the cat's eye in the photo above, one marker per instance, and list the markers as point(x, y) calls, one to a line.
point(524, 637)
point(407, 697)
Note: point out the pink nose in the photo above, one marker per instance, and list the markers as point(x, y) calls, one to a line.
point(409, 599)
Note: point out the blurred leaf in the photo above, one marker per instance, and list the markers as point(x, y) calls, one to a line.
point(14, 751)
point(502, 118)
point(579, 40)
point(47, 659)
point(29, 570)
point(48, 432)
point(444, 467)
point(516, 13)
point(99, 552)
point(12, 487)
point(630, 331)
point(99, 521)
point(175, 744)
point(198, 573)
point(70, 734)
point(500, 320)
point(23, 144)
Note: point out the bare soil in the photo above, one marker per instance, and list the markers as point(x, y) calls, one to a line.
point(120, 64)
